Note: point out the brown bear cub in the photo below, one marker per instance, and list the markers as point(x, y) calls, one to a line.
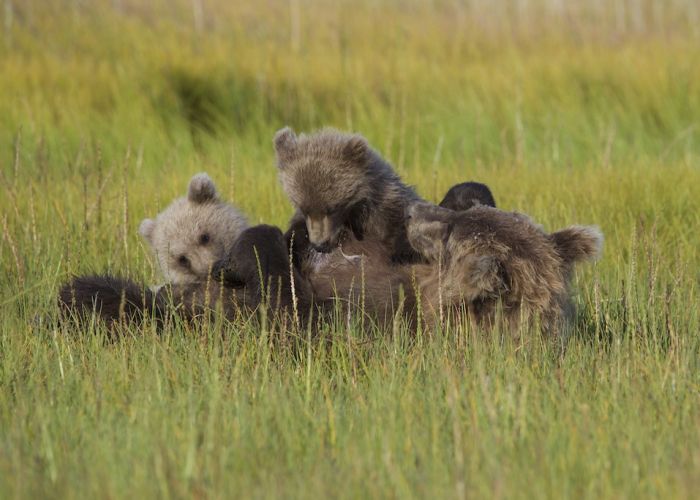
point(348, 235)
point(195, 240)
point(193, 232)
point(255, 273)
point(342, 189)
point(496, 262)
point(467, 195)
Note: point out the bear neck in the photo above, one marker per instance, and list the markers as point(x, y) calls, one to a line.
point(387, 202)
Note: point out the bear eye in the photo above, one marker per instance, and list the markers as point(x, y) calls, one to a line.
point(204, 239)
point(183, 261)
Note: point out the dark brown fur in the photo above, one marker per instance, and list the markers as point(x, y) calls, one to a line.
point(120, 301)
point(468, 195)
point(113, 298)
point(260, 262)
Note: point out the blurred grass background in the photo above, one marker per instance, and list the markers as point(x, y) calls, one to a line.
point(573, 112)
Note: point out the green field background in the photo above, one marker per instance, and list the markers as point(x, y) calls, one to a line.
point(573, 112)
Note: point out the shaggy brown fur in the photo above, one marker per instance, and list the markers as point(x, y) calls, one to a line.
point(467, 195)
point(487, 259)
point(357, 274)
point(256, 272)
point(117, 300)
point(193, 233)
point(259, 262)
point(341, 188)
point(112, 298)
point(349, 236)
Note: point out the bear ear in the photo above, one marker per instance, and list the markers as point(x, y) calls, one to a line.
point(285, 146)
point(428, 238)
point(201, 189)
point(146, 229)
point(356, 150)
point(427, 229)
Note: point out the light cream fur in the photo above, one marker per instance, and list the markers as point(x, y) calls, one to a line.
point(193, 233)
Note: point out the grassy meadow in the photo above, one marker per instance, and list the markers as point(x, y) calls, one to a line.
point(573, 112)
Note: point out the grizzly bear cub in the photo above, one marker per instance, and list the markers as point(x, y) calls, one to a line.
point(255, 273)
point(196, 239)
point(193, 232)
point(347, 235)
point(341, 189)
point(497, 262)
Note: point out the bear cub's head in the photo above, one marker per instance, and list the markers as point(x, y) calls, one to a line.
point(193, 233)
point(327, 177)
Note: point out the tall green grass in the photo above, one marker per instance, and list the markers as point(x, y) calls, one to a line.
point(585, 112)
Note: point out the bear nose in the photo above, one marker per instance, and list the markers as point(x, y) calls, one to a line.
point(409, 212)
point(324, 247)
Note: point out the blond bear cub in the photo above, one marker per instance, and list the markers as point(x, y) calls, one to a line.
point(193, 233)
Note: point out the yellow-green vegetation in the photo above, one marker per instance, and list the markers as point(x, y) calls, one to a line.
point(573, 112)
